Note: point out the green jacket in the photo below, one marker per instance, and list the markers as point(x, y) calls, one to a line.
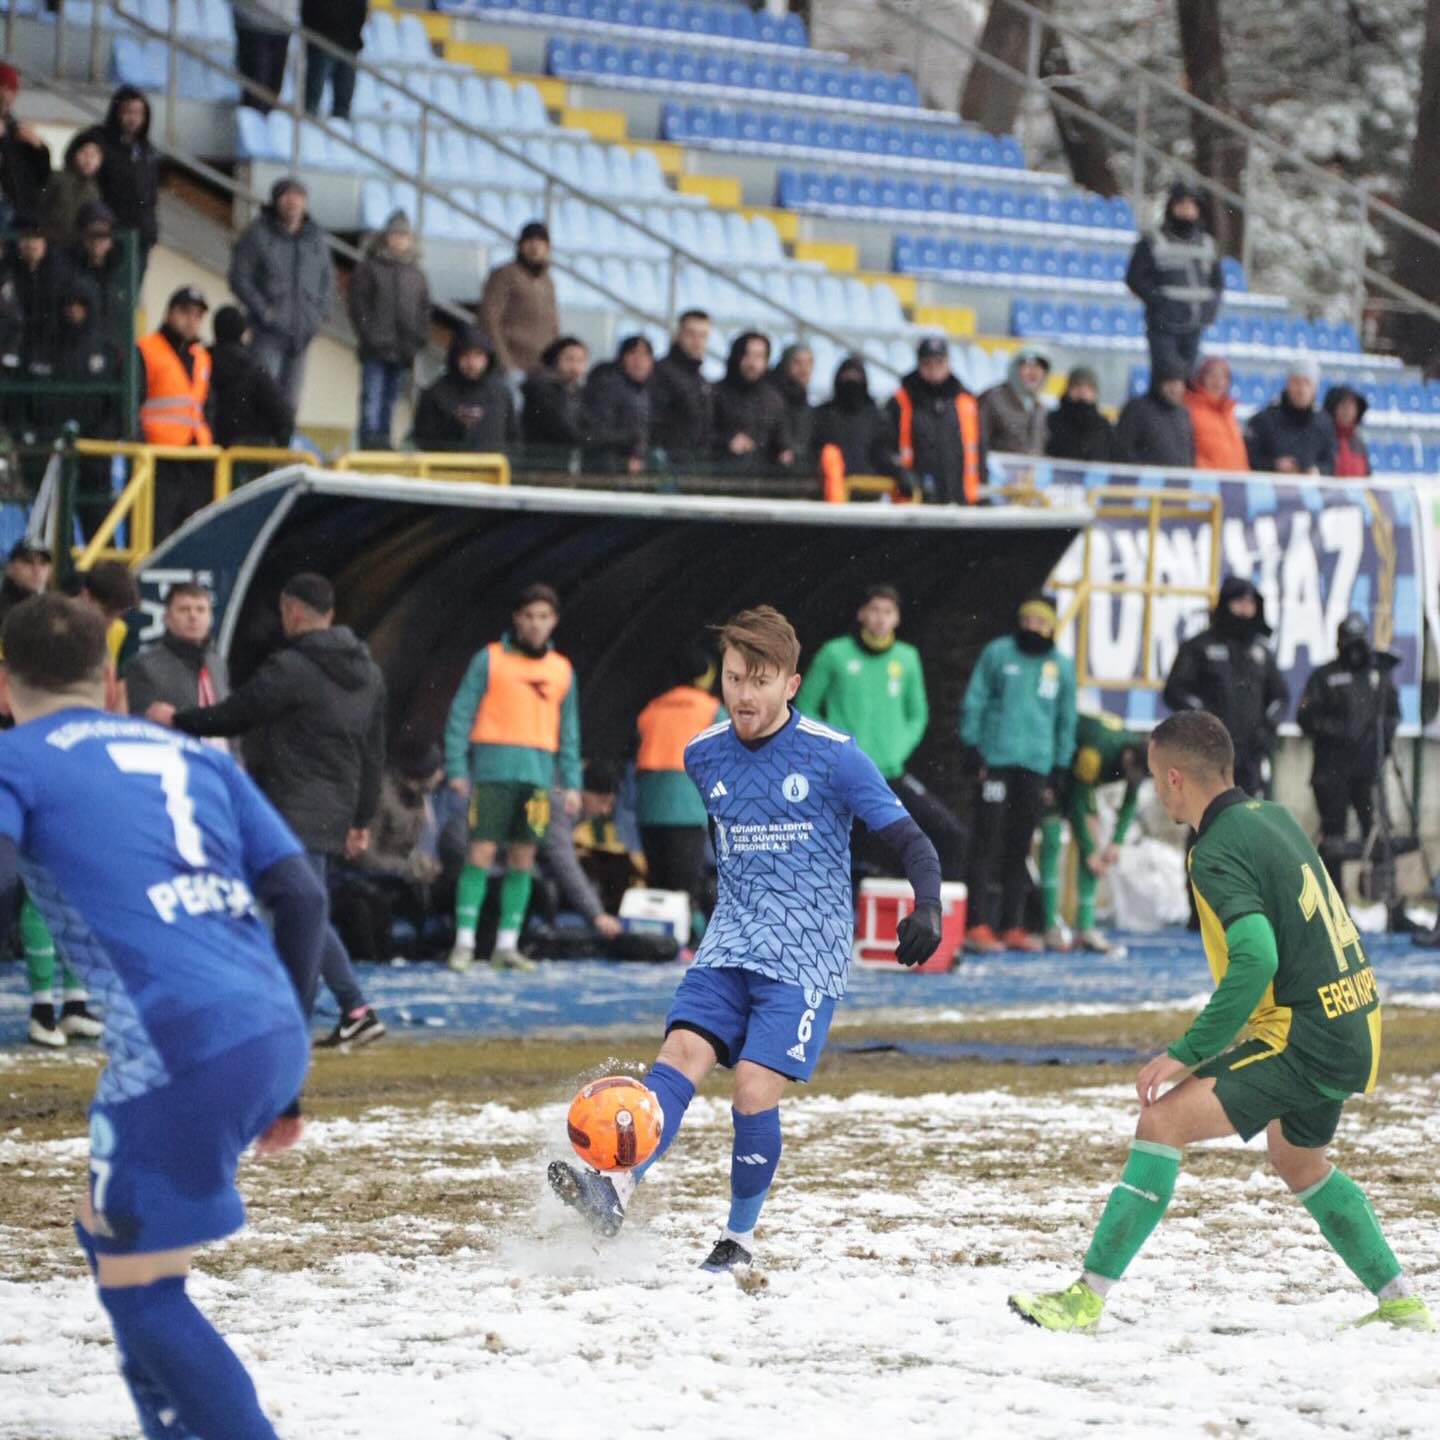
point(524, 764)
point(1019, 709)
point(876, 696)
point(1100, 741)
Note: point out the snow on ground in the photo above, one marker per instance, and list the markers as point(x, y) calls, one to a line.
point(467, 1304)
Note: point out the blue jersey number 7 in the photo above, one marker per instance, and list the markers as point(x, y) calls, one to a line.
point(167, 764)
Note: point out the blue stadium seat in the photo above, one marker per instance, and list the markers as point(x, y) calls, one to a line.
point(903, 91)
point(812, 187)
point(1432, 396)
point(833, 82)
point(1122, 217)
point(789, 190)
point(1022, 318)
point(1003, 260)
point(560, 58)
point(986, 150)
point(675, 122)
point(784, 77)
point(1031, 207)
point(742, 23)
point(252, 138)
point(1010, 153)
point(1346, 337)
point(917, 143)
point(846, 136)
point(887, 195)
point(1072, 211)
point(930, 253)
point(1415, 401)
point(872, 139)
point(953, 254)
point(793, 32)
point(767, 28)
point(837, 192)
point(912, 195)
point(1027, 262)
point(863, 194)
point(821, 133)
point(1092, 320)
point(1072, 265)
point(1048, 261)
point(904, 254)
point(1139, 381)
point(940, 197)
point(978, 257)
point(1233, 271)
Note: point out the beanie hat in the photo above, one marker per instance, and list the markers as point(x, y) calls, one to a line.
point(230, 325)
point(1306, 367)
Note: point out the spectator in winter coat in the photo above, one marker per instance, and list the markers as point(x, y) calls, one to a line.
point(517, 307)
point(750, 421)
point(791, 377)
point(183, 669)
point(390, 310)
point(246, 406)
point(97, 259)
point(683, 409)
point(72, 189)
point(262, 39)
point(1346, 409)
point(1012, 415)
point(38, 282)
point(24, 157)
point(1154, 428)
point(1290, 435)
point(12, 337)
point(1075, 429)
point(1175, 272)
point(1219, 445)
point(853, 423)
point(130, 176)
point(342, 23)
point(553, 420)
point(936, 430)
point(282, 273)
point(619, 403)
point(470, 406)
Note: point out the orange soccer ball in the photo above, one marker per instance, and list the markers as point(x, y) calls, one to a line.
point(614, 1123)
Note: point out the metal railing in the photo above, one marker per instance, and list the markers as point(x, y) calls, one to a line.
point(1147, 89)
point(433, 118)
point(492, 469)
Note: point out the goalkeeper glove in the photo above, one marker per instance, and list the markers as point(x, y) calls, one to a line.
point(917, 935)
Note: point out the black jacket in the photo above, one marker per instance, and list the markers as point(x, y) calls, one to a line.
point(939, 458)
point(1306, 436)
point(1349, 710)
point(1229, 670)
point(799, 415)
point(681, 413)
point(339, 20)
point(553, 419)
point(24, 169)
point(80, 355)
point(460, 414)
point(1152, 431)
point(246, 406)
point(170, 671)
point(1177, 278)
point(1078, 431)
point(113, 311)
point(130, 176)
point(618, 417)
point(856, 425)
point(321, 699)
point(749, 407)
point(37, 292)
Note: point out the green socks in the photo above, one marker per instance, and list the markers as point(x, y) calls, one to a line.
point(514, 902)
point(469, 900)
point(1086, 883)
point(1050, 869)
point(1347, 1221)
point(1134, 1208)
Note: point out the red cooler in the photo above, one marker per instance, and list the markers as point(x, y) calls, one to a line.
point(882, 904)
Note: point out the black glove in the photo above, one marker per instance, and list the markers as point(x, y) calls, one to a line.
point(917, 935)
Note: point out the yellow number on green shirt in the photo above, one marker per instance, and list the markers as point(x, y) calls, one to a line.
point(1336, 918)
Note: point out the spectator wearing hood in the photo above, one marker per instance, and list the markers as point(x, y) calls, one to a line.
point(342, 22)
point(1350, 711)
point(517, 307)
point(791, 377)
point(1346, 409)
point(1229, 670)
point(1075, 429)
point(1219, 445)
point(1290, 435)
point(282, 274)
point(851, 435)
point(553, 418)
point(130, 176)
point(73, 188)
point(390, 310)
point(684, 407)
point(24, 156)
point(1154, 428)
point(246, 406)
point(936, 430)
point(1175, 272)
point(618, 402)
point(38, 282)
point(100, 262)
point(750, 421)
point(262, 41)
point(1012, 414)
point(470, 406)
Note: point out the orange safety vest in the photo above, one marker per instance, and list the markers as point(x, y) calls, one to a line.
point(967, 412)
point(521, 703)
point(173, 411)
point(669, 723)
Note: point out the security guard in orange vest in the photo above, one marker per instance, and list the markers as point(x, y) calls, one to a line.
point(515, 717)
point(937, 429)
point(177, 385)
point(669, 810)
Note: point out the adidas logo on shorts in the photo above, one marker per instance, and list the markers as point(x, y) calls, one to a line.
point(796, 1052)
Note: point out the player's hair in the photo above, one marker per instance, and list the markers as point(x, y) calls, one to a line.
point(313, 591)
point(764, 637)
point(1198, 743)
point(538, 595)
point(111, 586)
point(692, 315)
point(186, 590)
point(54, 645)
point(881, 592)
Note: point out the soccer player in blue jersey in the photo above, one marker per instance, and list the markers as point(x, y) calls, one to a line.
point(781, 791)
point(146, 853)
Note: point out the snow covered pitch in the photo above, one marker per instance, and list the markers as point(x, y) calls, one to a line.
point(406, 1275)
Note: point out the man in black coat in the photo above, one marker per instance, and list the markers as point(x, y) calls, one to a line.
point(682, 414)
point(38, 282)
point(751, 428)
point(130, 176)
point(24, 156)
point(619, 405)
point(246, 406)
point(1175, 272)
point(1229, 670)
point(321, 701)
point(1290, 435)
point(1350, 710)
point(553, 418)
point(183, 668)
point(1155, 428)
point(1076, 428)
point(791, 377)
point(852, 422)
point(98, 260)
point(469, 407)
point(341, 22)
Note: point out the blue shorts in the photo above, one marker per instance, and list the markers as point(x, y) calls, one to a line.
point(747, 1016)
point(162, 1166)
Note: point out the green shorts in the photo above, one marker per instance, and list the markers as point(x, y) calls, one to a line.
point(1256, 1084)
point(509, 811)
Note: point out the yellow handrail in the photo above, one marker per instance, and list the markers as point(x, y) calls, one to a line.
point(491, 469)
point(873, 485)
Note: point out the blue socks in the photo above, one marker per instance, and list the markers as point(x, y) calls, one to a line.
point(186, 1381)
point(674, 1092)
point(752, 1167)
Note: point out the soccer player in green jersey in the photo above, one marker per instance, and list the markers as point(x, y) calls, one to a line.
point(1288, 962)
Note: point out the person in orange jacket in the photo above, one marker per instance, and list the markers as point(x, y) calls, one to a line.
point(1219, 445)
